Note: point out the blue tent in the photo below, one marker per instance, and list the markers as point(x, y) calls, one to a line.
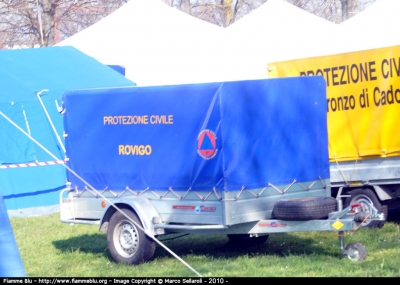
point(32, 84)
point(10, 263)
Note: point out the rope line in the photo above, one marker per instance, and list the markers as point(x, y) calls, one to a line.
point(101, 195)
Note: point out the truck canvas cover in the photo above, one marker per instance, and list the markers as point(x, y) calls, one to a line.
point(363, 100)
point(222, 136)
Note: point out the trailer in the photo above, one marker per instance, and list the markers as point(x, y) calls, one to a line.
point(245, 158)
point(363, 105)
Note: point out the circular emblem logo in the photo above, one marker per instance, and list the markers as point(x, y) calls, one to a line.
point(207, 144)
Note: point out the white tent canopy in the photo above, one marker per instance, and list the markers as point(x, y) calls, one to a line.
point(160, 45)
point(276, 31)
point(375, 27)
point(157, 44)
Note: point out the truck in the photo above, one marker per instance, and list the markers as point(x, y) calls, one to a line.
point(363, 106)
point(244, 159)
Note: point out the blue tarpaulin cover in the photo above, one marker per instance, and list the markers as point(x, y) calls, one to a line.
point(224, 135)
point(24, 73)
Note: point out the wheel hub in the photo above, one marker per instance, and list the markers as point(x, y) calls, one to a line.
point(128, 238)
point(365, 206)
point(354, 254)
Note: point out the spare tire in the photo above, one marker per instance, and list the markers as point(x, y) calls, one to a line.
point(301, 209)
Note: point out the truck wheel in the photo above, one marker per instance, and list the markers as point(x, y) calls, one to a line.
point(128, 243)
point(308, 208)
point(367, 195)
point(245, 239)
point(356, 251)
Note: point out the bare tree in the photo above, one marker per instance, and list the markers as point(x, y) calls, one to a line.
point(225, 12)
point(349, 8)
point(335, 11)
point(219, 12)
point(185, 6)
point(45, 22)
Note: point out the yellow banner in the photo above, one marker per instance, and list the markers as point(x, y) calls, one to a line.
point(363, 100)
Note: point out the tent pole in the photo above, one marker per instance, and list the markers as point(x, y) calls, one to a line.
point(100, 194)
point(48, 117)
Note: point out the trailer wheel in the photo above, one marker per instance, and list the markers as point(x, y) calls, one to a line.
point(367, 195)
point(127, 242)
point(355, 251)
point(300, 209)
point(245, 239)
point(149, 253)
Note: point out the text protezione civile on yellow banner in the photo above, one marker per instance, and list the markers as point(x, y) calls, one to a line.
point(363, 99)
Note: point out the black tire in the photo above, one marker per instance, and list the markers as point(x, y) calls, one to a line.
point(245, 239)
point(127, 242)
point(356, 251)
point(301, 209)
point(367, 195)
point(150, 251)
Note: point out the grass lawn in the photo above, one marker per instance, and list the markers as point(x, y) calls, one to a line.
point(50, 248)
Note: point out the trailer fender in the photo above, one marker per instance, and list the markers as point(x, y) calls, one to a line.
point(141, 206)
point(383, 192)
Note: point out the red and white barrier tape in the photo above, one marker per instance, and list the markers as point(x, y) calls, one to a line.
point(19, 165)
